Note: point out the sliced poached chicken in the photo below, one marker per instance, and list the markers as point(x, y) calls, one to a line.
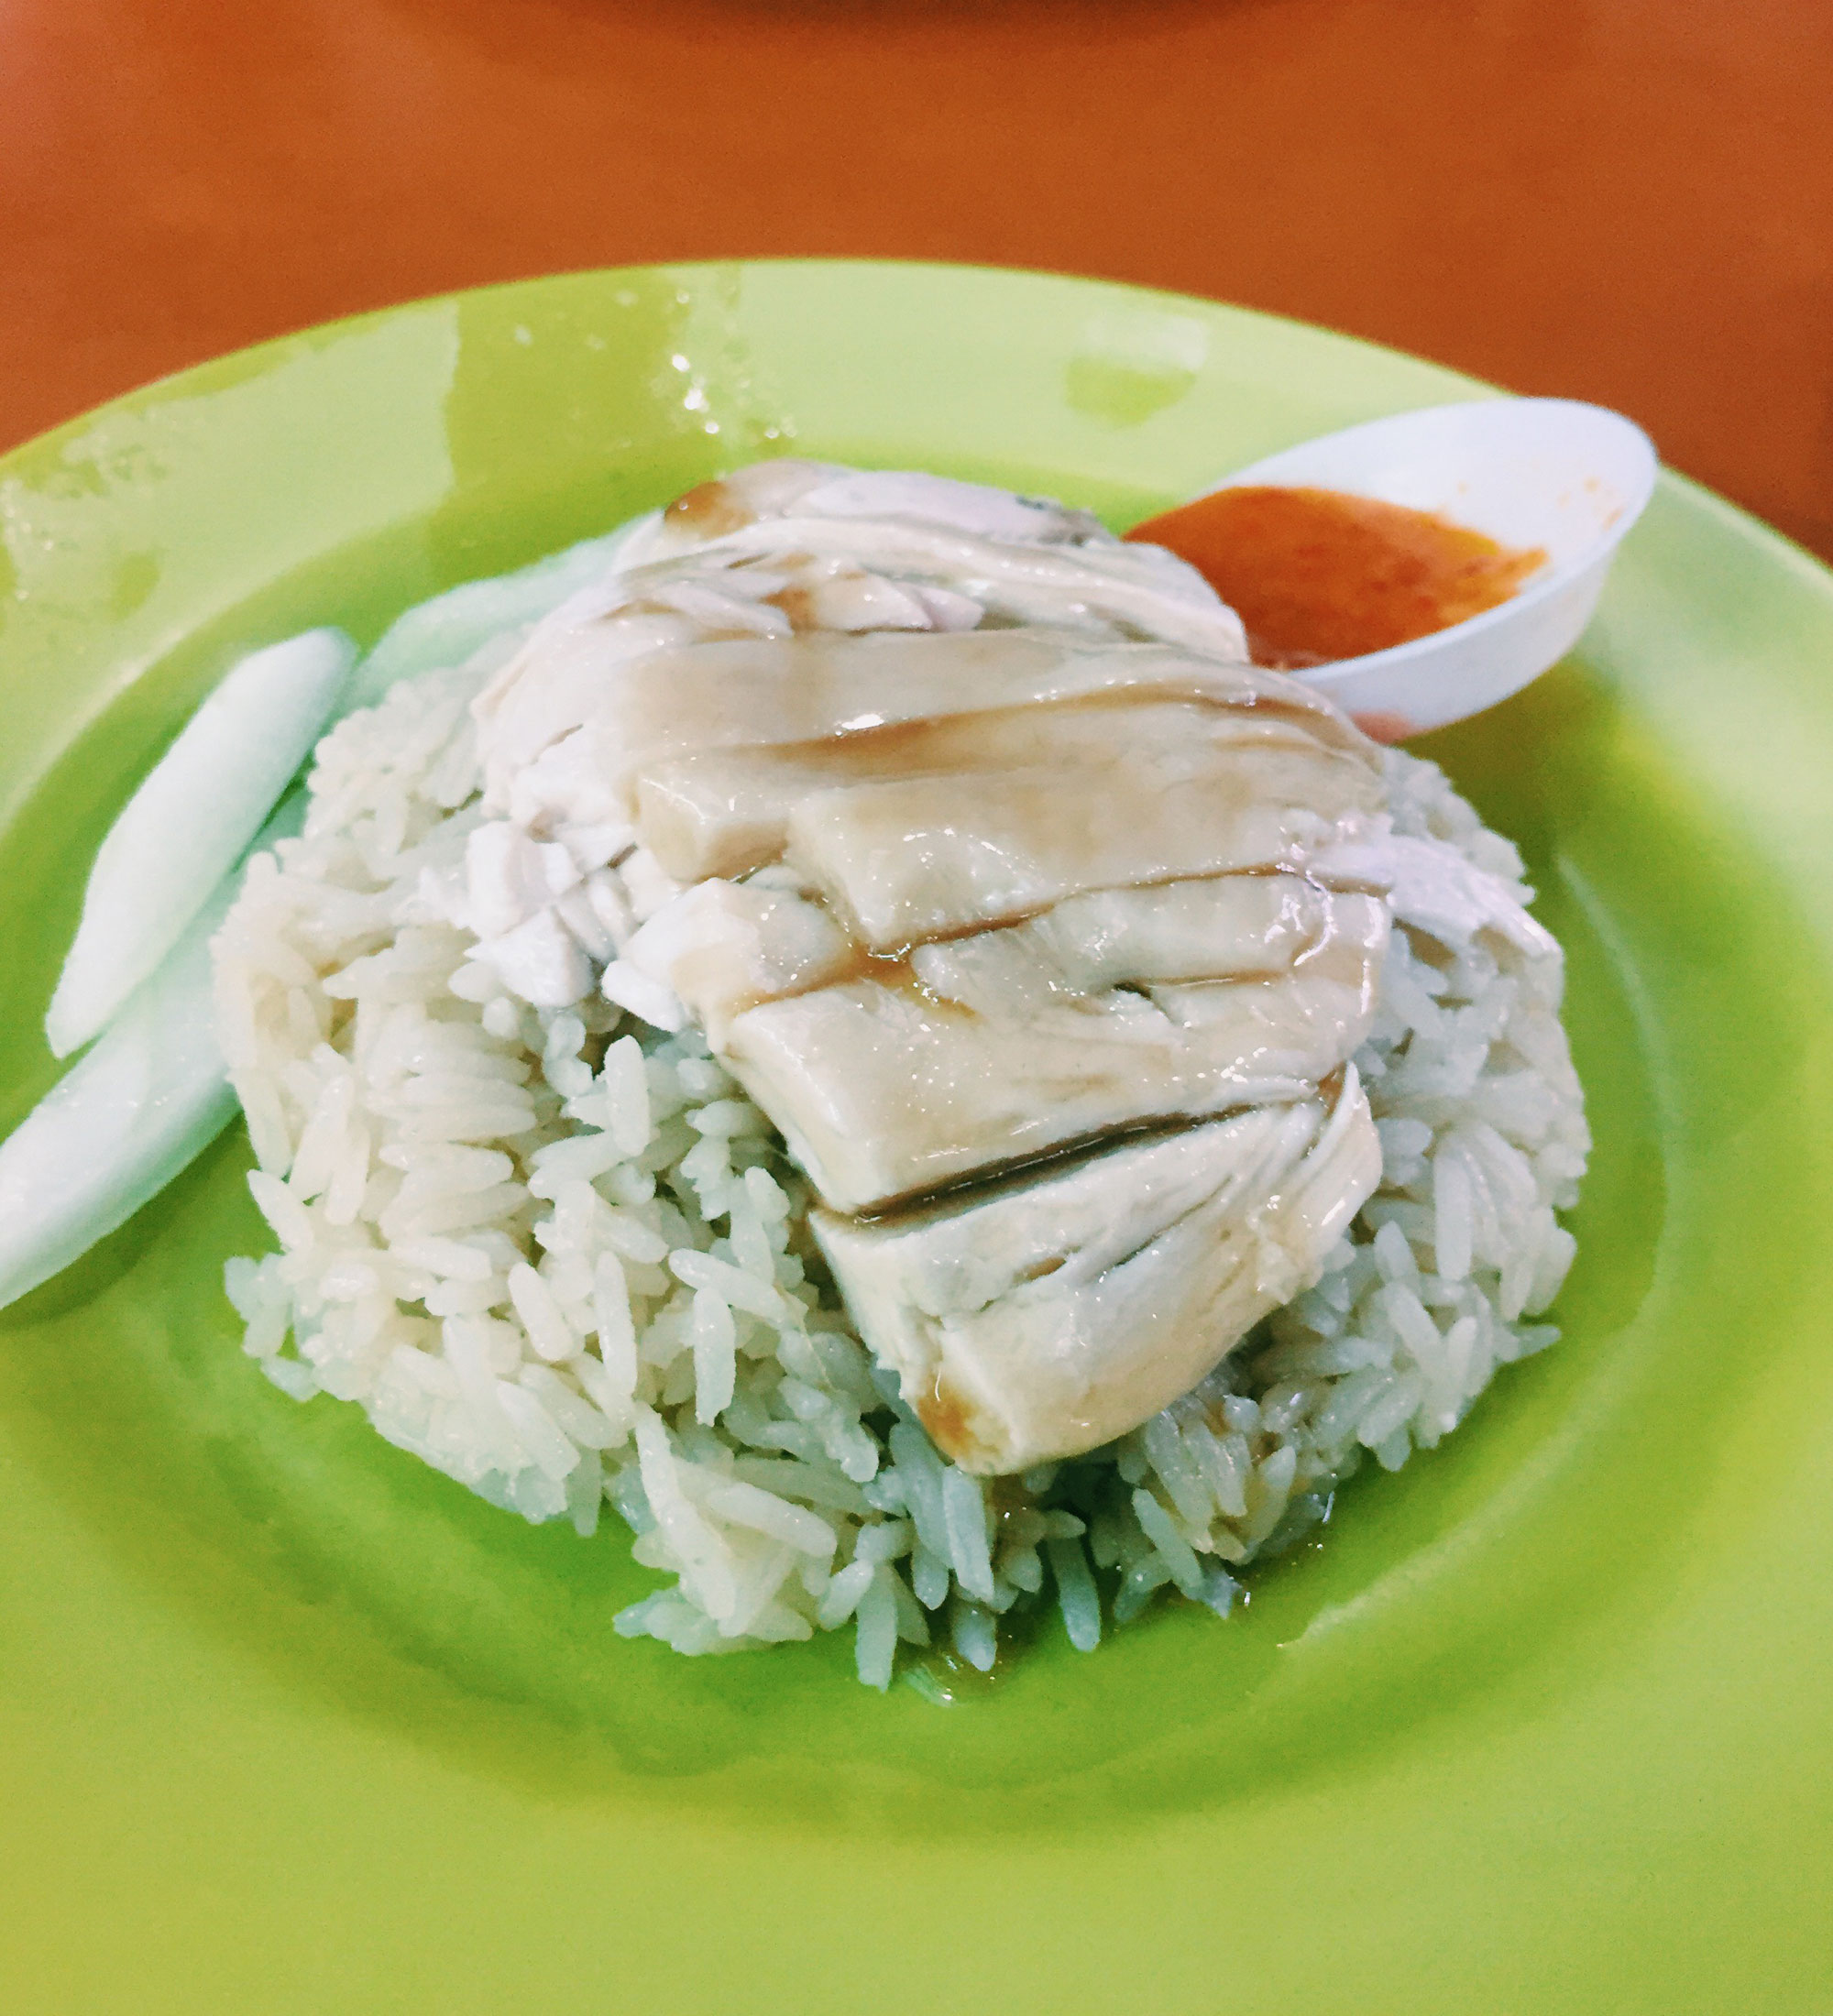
point(1054, 1313)
point(986, 864)
point(885, 1090)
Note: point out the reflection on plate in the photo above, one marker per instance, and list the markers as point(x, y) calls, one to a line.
point(1541, 1725)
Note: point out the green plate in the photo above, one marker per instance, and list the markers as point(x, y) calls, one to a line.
point(289, 1723)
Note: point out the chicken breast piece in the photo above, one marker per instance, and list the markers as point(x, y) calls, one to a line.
point(884, 1092)
point(724, 811)
point(631, 704)
point(1435, 890)
point(1044, 1317)
point(793, 486)
point(1023, 559)
point(724, 947)
point(1216, 927)
point(1108, 585)
point(914, 858)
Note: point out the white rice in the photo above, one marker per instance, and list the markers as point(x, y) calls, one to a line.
point(560, 1256)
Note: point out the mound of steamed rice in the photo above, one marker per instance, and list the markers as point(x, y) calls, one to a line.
point(561, 1257)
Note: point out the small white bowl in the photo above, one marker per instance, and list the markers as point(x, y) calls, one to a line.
point(1552, 473)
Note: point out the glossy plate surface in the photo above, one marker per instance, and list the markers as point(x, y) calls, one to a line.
point(289, 1723)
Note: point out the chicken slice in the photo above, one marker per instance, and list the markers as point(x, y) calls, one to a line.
point(792, 487)
point(724, 811)
point(1024, 559)
point(1434, 888)
point(1041, 1318)
point(1216, 927)
point(1098, 586)
point(723, 947)
point(912, 859)
point(630, 708)
point(884, 1092)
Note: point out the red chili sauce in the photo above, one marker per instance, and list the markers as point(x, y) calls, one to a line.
point(1317, 575)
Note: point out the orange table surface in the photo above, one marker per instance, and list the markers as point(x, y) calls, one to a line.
point(1628, 201)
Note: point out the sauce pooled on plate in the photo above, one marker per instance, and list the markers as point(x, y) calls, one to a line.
point(1318, 576)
